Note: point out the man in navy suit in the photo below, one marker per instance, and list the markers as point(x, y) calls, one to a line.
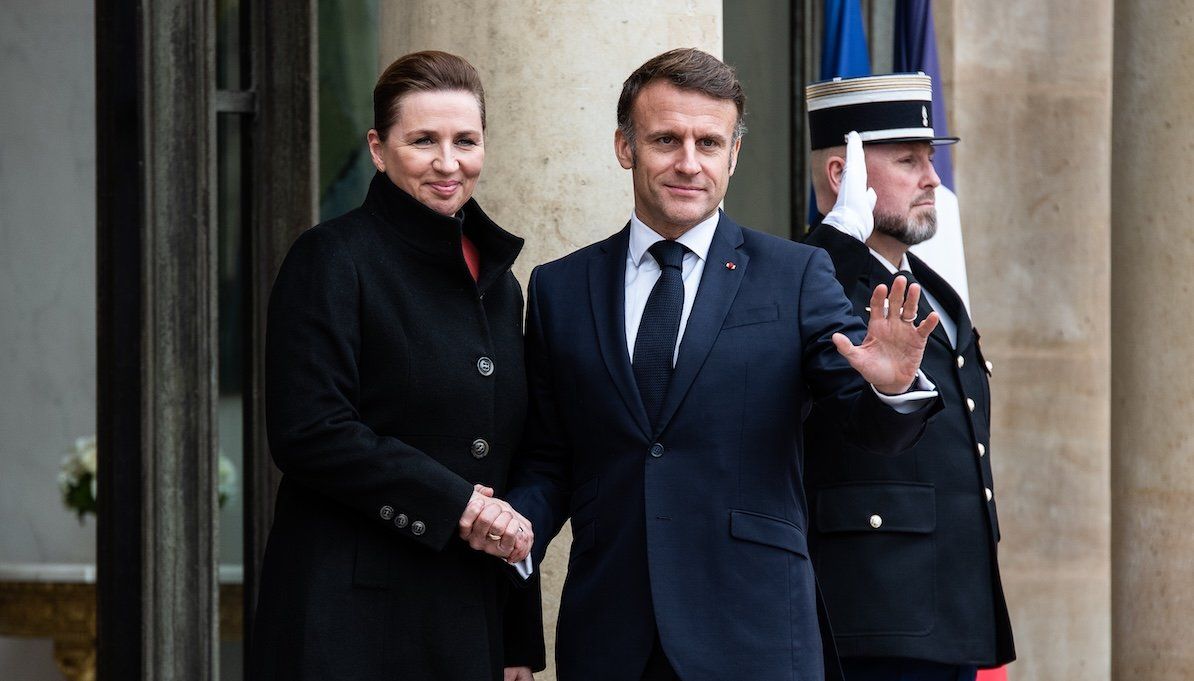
point(669, 368)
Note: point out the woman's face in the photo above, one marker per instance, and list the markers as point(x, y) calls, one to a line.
point(435, 150)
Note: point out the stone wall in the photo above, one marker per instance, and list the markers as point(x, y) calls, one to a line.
point(1031, 99)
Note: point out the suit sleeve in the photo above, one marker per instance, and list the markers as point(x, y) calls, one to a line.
point(836, 387)
point(522, 627)
point(541, 477)
point(316, 434)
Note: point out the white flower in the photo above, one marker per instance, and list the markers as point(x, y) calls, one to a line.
point(85, 451)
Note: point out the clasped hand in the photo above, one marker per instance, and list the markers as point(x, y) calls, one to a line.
point(493, 526)
point(890, 355)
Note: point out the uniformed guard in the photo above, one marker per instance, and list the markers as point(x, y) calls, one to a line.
point(905, 547)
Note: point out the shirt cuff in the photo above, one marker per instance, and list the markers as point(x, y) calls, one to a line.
point(525, 568)
point(921, 392)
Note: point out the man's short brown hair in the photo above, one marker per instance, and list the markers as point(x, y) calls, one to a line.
point(428, 71)
point(688, 69)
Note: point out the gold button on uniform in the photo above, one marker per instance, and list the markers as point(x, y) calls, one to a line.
point(990, 494)
point(982, 449)
point(961, 361)
point(970, 404)
point(876, 521)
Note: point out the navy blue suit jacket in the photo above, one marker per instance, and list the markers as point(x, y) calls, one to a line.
point(694, 528)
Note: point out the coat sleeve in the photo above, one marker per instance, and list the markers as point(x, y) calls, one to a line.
point(316, 435)
point(522, 627)
point(541, 476)
point(835, 386)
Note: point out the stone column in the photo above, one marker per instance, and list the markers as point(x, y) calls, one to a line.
point(552, 73)
point(1031, 99)
point(1153, 382)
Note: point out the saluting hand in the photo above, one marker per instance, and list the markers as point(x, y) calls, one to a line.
point(889, 356)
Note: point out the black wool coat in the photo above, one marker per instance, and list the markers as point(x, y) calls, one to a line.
point(905, 547)
point(394, 382)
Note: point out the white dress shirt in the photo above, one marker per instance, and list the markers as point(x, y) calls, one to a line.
point(642, 271)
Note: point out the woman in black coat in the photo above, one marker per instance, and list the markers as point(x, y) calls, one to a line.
point(395, 398)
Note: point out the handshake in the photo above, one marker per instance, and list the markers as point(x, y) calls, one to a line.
point(493, 526)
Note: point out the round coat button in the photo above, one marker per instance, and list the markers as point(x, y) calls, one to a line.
point(961, 361)
point(970, 404)
point(417, 528)
point(990, 494)
point(990, 367)
point(401, 521)
point(485, 366)
point(876, 521)
point(656, 450)
point(386, 512)
point(480, 448)
point(982, 449)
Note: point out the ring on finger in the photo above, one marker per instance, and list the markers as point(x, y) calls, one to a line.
point(886, 308)
point(494, 537)
point(910, 321)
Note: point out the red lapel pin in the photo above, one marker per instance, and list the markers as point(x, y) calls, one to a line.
point(730, 265)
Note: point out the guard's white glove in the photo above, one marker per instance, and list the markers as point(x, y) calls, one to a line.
point(853, 214)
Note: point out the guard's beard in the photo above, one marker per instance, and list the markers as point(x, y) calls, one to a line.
point(907, 230)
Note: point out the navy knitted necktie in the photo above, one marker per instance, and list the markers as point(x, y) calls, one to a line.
point(656, 341)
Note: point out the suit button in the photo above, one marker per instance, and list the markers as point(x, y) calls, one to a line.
point(982, 449)
point(656, 450)
point(387, 512)
point(480, 448)
point(990, 494)
point(400, 520)
point(417, 528)
point(970, 404)
point(961, 361)
point(990, 367)
point(485, 366)
point(876, 521)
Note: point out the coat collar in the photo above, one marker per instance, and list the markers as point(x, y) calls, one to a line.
point(947, 297)
point(439, 236)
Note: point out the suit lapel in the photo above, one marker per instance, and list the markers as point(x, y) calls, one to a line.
point(607, 294)
point(719, 286)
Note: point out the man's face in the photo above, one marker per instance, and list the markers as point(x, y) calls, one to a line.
point(904, 181)
point(683, 156)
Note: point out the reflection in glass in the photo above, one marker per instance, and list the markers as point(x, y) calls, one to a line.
point(231, 322)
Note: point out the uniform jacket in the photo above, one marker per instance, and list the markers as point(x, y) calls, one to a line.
point(906, 547)
point(394, 382)
point(694, 528)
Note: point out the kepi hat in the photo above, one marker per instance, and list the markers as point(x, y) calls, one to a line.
point(883, 109)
